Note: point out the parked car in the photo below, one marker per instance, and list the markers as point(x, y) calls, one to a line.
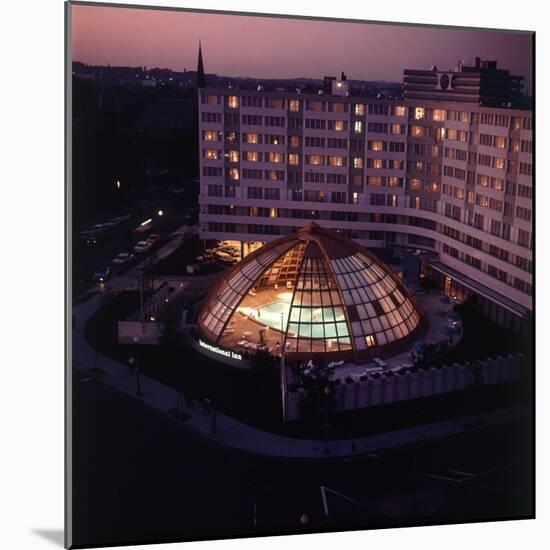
point(153, 238)
point(142, 246)
point(102, 275)
point(122, 258)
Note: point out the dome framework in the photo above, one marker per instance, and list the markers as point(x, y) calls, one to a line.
point(309, 293)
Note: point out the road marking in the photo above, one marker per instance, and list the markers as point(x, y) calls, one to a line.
point(466, 474)
point(324, 491)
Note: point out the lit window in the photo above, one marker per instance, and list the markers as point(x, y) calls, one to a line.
point(294, 105)
point(417, 131)
point(415, 184)
point(233, 101)
point(295, 141)
point(233, 156)
point(355, 198)
point(293, 159)
point(434, 187)
point(359, 109)
point(251, 156)
point(393, 181)
point(275, 157)
point(377, 145)
point(399, 110)
point(210, 136)
point(339, 125)
point(358, 126)
point(357, 162)
point(211, 154)
point(316, 106)
point(212, 99)
point(233, 173)
point(419, 113)
point(396, 129)
point(251, 138)
point(231, 136)
point(500, 163)
point(272, 175)
point(314, 159)
point(273, 213)
point(336, 161)
point(369, 339)
point(377, 163)
point(275, 103)
point(438, 114)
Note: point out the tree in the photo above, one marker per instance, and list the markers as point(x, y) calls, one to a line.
point(432, 354)
point(314, 378)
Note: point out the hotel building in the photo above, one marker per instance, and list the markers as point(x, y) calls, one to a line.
point(443, 171)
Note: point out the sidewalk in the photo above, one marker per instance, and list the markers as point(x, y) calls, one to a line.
point(240, 436)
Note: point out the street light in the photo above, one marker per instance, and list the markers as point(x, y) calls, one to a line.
point(160, 212)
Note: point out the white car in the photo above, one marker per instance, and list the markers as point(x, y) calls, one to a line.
point(142, 247)
point(122, 258)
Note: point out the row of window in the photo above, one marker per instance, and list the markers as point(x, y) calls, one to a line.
point(491, 270)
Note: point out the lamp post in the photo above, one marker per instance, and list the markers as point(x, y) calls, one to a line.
point(135, 368)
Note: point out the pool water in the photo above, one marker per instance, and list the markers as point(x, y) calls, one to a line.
point(271, 314)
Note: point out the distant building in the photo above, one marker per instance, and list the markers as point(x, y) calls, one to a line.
point(452, 178)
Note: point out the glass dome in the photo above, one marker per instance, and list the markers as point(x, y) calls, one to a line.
point(312, 292)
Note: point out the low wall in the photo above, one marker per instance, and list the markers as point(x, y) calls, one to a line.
point(390, 387)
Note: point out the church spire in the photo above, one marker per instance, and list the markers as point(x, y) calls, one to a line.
point(201, 80)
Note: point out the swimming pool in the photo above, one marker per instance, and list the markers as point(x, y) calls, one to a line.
point(271, 315)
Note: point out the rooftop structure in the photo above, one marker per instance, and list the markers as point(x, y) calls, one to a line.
point(482, 83)
point(312, 292)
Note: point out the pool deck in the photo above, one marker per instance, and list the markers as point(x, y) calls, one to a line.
point(241, 325)
point(248, 329)
point(432, 308)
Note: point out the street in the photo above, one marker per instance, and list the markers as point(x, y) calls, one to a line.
point(141, 476)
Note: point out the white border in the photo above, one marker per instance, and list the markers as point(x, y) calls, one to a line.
point(31, 397)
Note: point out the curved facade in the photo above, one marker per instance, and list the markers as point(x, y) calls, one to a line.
point(448, 177)
point(312, 292)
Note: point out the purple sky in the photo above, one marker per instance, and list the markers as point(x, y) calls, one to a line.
point(274, 47)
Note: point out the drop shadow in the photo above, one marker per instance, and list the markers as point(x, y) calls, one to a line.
point(56, 536)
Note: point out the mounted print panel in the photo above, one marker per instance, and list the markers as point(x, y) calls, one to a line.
point(300, 275)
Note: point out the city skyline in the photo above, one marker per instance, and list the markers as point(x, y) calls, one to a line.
point(161, 38)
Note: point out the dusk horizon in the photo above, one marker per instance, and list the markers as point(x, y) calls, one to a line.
point(243, 46)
